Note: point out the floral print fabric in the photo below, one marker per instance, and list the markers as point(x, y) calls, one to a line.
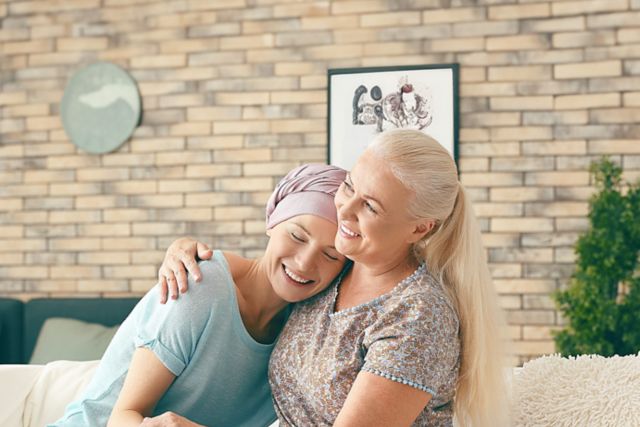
point(409, 335)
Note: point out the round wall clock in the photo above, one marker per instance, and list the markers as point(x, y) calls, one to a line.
point(100, 107)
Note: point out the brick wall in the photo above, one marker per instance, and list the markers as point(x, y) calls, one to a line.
point(234, 95)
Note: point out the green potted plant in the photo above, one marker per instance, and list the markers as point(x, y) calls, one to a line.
point(601, 305)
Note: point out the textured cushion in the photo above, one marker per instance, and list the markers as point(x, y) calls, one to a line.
point(584, 391)
point(71, 339)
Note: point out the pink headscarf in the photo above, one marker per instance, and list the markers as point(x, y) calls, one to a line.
point(307, 189)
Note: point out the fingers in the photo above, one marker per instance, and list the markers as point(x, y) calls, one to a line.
point(173, 285)
point(162, 283)
point(204, 251)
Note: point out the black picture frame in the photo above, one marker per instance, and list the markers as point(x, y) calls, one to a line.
point(419, 88)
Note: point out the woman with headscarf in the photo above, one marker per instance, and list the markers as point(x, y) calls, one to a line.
point(204, 359)
point(411, 335)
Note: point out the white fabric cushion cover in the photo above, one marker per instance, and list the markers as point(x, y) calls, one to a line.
point(15, 384)
point(59, 383)
point(583, 391)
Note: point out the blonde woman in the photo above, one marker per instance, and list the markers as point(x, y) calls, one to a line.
point(411, 336)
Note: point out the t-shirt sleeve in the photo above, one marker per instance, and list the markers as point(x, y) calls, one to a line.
point(415, 342)
point(172, 330)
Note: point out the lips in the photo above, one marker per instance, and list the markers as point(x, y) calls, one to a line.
point(347, 232)
point(295, 277)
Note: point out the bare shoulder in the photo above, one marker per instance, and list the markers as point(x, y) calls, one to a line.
point(238, 265)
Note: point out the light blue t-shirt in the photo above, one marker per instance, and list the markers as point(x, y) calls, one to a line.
point(221, 371)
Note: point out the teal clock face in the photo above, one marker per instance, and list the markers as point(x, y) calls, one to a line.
point(100, 107)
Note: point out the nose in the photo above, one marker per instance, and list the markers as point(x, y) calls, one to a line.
point(305, 258)
point(346, 207)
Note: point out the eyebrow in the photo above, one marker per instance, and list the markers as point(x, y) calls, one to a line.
point(366, 196)
point(307, 231)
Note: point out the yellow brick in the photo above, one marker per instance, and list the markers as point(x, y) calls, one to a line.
point(578, 147)
point(500, 179)
point(131, 271)
point(182, 100)
point(628, 35)
point(328, 23)
point(20, 272)
point(34, 46)
point(23, 245)
point(60, 58)
point(518, 43)
point(160, 88)
point(448, 15)
point(246, 42)
point(244, 155)
point(74, 189)
point(523, 194)
point(356, 7)
point(619, 146)
point(299, 97)
point(588, 70)
point(12, 98)
point(294, 126)
point(241, 127)
point(82, 44)
point(159, 61)
point(214, 113)
point(346, 51)
point(302, 9)
point(74, 244)
point(521, 103)
point(236, 213)
point(104, 258)
point(27, 110)
point(243, 184)
point(43, 123)
point(557, 209)
point(74, 217)
point(127, 243)
point(534, 347)
point(462, 44)
point(183, 157)
point(557, 179)
point(487, 89)
point(574, 102)
point(31, 176)
point(615, 115)
point(110, 230)
point(522, 225)
point(190, 129)
point(74, 272)
point(390, 19)
point(213, 170)
point(242, 98)
point(11, 231)
point(102, 174)
point(159, 229)
point(87, 285)
point(184, 185)
point(631, 99)
point(100, 202)
point(520, 73)
point(11, 204)
point(267, 169)
point(157, 201)
point(541, 10)
point(521, 133)
point(587, 6)
point(189, 45)
point(117, 215)
point(70, 162)
point(525, 286)
point(538, 332)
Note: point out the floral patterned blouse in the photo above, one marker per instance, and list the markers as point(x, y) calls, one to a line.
point(409, 335)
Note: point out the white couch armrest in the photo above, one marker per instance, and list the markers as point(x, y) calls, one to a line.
point(16, 382)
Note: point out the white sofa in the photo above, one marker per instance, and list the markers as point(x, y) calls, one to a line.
point(591, 391)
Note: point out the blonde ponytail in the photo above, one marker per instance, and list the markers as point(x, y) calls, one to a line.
point(454, 252)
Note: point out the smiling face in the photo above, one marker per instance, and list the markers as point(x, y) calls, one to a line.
point(302, 259)
point(374, 226)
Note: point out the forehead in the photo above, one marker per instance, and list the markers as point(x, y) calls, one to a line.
point(318, 228)
point(372, 176)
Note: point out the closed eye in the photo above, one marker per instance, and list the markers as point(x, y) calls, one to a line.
point(370, 207)
point(297, 238)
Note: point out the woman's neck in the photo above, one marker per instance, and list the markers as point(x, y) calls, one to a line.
point(260, 307)
point(365, 281)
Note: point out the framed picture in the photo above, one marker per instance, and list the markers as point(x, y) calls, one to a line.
point(363, 102)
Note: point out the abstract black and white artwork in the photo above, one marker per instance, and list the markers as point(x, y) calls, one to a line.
point(366, 101)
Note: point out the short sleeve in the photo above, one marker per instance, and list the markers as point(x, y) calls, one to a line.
point(415, 342)
point(172, 330)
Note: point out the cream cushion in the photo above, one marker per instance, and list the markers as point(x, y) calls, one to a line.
point(589, 391)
